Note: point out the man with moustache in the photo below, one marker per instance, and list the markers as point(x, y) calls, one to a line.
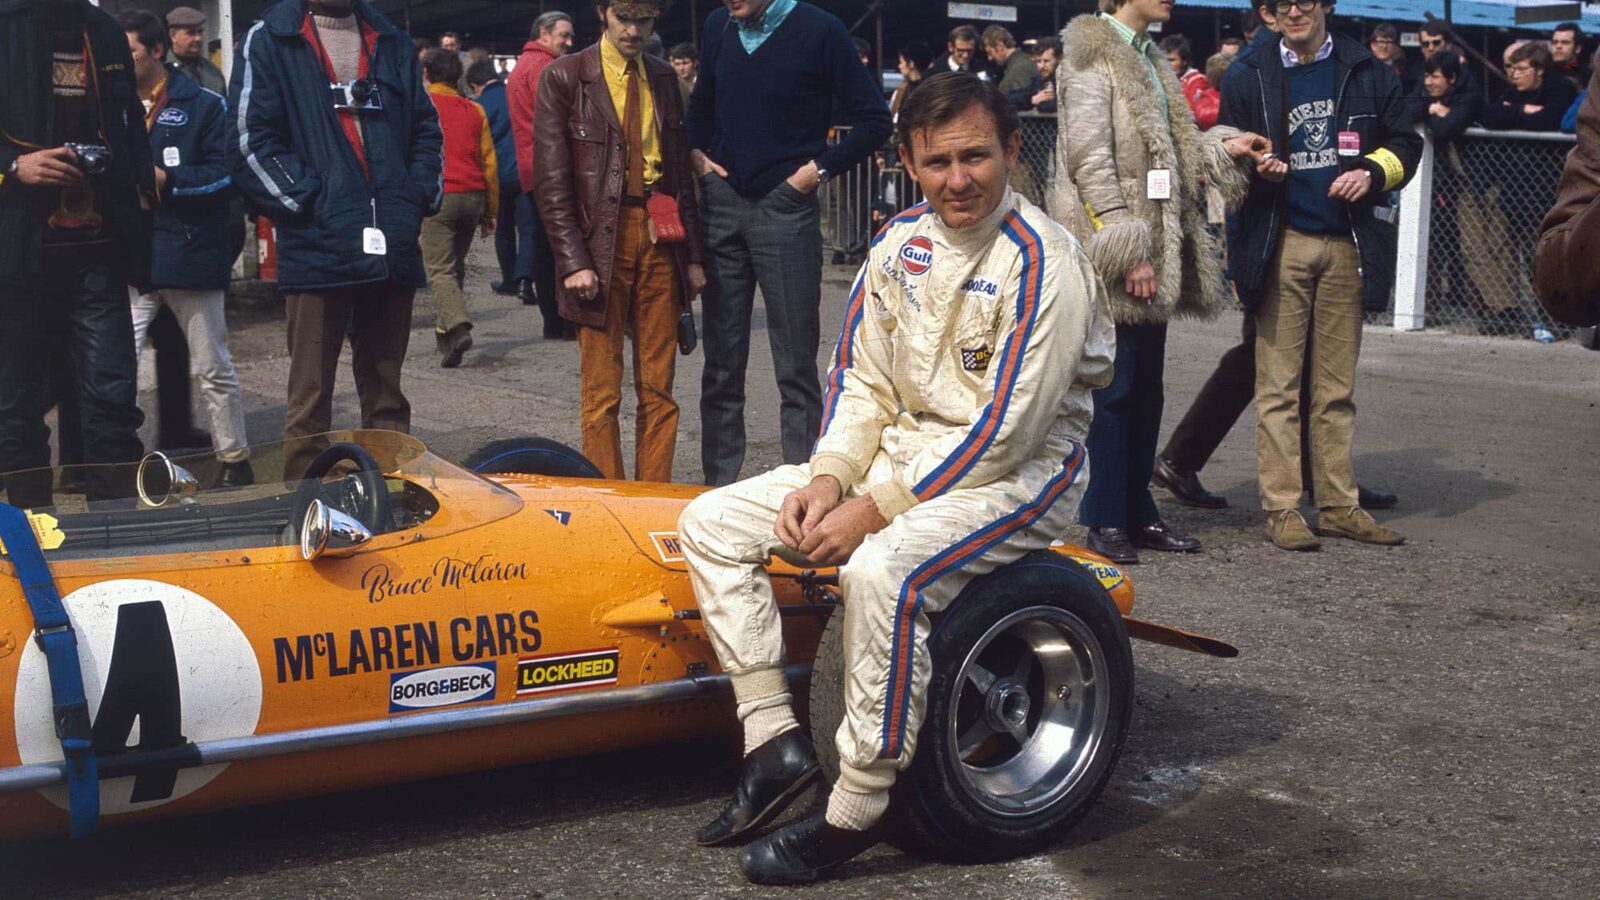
point(332, 134)
point(759, 127)
point(72, 239)
point(613, 173)
point(952, 444)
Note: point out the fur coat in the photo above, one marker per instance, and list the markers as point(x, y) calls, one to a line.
point(1110, 135)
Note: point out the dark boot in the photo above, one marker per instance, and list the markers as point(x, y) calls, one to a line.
point(1185, 486)
point(1372, 498)
point(526, 292)
point(775, 773)
point(236, 474)
point(454, 344)
point(802, 851)
point(1113, 544)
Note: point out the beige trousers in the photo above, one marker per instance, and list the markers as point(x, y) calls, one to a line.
point(1312, 297)
point(446, 238)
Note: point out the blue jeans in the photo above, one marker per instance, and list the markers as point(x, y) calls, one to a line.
point(1122, 438)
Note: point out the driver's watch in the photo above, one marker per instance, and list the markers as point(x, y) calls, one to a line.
point(822, 174)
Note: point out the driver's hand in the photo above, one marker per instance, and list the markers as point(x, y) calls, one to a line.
point(804, 509)
point(836, 537)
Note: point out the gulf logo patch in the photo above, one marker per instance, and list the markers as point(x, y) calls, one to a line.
point(916, 255)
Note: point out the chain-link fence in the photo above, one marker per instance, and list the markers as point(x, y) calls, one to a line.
point(857, 202)
point(1489, 191)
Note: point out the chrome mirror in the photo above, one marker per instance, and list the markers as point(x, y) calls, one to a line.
point(328, 532)
point(159, 479)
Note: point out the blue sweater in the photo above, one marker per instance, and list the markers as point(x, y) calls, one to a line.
point(764, 115)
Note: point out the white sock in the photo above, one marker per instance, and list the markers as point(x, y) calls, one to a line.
point(766, 708)
point(853, 811)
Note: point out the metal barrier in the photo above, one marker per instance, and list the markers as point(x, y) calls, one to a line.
point(857, 202)
point(1468, 221)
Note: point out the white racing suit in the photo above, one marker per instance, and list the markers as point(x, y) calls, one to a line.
point(958, 399)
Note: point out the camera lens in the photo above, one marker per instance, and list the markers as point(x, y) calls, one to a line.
point(361, 91)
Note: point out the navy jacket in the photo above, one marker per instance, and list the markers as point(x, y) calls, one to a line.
point(290, 158)
point(192, 249)
point(764, 116)
point(1367, 101)
point(25, 126)
point(497, 108)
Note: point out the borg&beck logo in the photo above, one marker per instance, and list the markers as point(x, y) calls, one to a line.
point(916, 255)
point(433, 688)
point(591, 668)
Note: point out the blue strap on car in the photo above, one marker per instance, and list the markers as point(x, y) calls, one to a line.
point(53, 631)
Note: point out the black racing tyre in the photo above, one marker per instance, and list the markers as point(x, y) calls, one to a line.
point(1029, 701)
point(531, 456)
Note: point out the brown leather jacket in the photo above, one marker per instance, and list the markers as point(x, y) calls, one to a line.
point(578, 181)
point(1566, 259)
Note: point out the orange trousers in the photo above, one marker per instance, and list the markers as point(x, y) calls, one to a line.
point(642, 300)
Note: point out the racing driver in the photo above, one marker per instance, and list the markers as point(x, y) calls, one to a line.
point(952, 443)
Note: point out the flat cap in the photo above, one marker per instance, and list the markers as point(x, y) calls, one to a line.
point(186, 17)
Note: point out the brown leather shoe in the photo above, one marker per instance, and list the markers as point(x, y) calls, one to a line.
point(1287, 530)
point(1185, 486)
point(1356, 524)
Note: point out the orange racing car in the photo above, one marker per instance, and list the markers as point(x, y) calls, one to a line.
point(393, 616)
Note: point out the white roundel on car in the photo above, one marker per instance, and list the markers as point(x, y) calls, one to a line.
point(162, 665)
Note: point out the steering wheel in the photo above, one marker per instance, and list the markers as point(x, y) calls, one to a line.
point(362, 494)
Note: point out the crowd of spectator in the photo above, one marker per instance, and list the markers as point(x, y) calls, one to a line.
point(582, 198)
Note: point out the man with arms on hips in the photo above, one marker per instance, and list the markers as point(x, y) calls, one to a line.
point(952, 444)
point(347, 174)
point(1298, 255)
point(191, 259)
point(613, 181)
point(759, 125)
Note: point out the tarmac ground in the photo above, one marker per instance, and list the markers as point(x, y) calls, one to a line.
point(1410, 721)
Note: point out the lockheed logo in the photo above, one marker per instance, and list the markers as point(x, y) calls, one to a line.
point(917, 255)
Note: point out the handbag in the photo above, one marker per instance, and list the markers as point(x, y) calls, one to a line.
point(666, 226)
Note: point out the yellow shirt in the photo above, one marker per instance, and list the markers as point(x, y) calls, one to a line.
point(614, 66)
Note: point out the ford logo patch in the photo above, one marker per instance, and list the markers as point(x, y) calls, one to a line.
point(917, 255)
point(173, 118)
point(448, 686)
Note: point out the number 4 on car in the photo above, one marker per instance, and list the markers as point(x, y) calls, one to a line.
point(196, 648)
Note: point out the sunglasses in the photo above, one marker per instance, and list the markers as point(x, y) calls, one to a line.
point(1437, 43)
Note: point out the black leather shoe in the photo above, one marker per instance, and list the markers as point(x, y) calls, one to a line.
point(504, 288)
point(1113, 544)
point(526, 292)
point(802, 851)
point(1185, 486)
point(236, 474)
point(774, 775)
point(1160, 536)
point(1371, 498)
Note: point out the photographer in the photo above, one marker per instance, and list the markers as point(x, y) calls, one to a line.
point(73, 164)
point(347, 173)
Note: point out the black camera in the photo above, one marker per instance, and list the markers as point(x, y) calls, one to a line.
point(92, 159)
point(360, 95)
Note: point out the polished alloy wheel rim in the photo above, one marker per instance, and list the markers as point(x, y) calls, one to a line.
point(1030, 710)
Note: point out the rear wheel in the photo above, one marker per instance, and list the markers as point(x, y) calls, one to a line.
point(531, 456)
point(1030, 698)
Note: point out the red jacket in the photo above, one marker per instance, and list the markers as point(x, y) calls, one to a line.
point(469, 161)
point(522, 89)
point(1204, 101)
